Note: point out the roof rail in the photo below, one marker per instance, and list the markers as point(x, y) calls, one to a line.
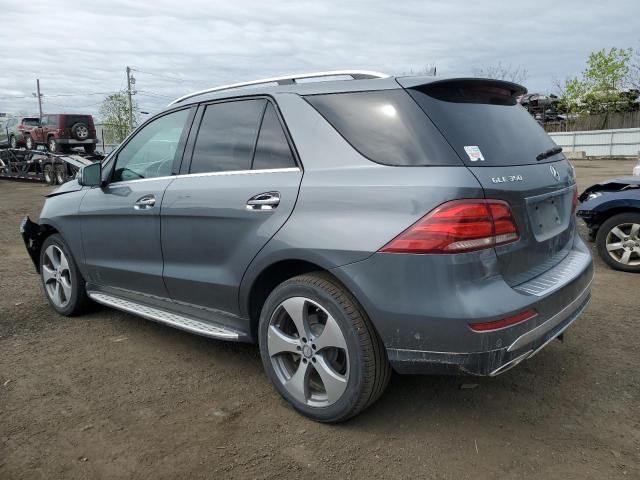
point(287, 80)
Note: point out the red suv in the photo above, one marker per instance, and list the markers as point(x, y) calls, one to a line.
point(62, 132)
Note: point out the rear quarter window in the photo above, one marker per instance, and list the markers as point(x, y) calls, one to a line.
point(385, 126)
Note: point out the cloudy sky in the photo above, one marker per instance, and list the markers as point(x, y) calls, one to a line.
point(79, 50)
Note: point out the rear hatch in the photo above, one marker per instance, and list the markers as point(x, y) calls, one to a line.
point(513, 159)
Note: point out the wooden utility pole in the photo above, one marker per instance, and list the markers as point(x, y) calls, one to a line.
point(130, 102)
point(39, 97)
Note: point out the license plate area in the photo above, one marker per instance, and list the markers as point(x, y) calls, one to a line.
point(549, 213)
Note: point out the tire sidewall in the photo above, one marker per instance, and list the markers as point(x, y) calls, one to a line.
point(12, 142)
point(29, 143)
point(601, 238)
point(76, 278)
point(48, 170)
point(342, 407)
point(53, 141)
point(76, 127)
point(60, 174)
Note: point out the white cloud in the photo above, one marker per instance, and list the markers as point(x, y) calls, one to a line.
point(80, 47)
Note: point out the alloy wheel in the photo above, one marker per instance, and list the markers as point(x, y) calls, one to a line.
point(82, 132)
point(623, 243)
point(308, 352)
point(56, 276)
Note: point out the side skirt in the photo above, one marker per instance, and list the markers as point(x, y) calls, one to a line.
point(168, 314)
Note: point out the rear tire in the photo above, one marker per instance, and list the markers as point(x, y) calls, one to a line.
point(63, 284)
point(13, 143)
point(52, 145)
point(327, 375)
point(618, 242)
point(61, 174)
point(49, 176)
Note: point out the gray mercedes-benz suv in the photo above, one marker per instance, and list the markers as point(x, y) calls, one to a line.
point(348, 226)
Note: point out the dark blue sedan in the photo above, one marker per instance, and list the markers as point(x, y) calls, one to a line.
point(611, 211)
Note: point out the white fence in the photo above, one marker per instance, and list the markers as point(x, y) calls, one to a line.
point(601, 143)
point(100, 134)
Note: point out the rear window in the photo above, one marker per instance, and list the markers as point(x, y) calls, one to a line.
point(386, 126)
point(484, 123)
point(71, 120)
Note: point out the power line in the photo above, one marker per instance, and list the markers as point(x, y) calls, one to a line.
point(168, 77)
point(59, 95)
point(147, 93)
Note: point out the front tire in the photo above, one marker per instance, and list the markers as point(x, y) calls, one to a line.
point(29, 143)
point(63, 284)
point(52, 145)
point(13, 143)
point(320, 350)
point(49, 176)
point(61, 174)
point(618, 242)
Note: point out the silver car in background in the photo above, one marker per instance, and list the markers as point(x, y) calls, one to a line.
point(349, 226)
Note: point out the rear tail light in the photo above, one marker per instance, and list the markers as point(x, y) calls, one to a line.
point(574, 204)
point(458, 226)
point(504, 322)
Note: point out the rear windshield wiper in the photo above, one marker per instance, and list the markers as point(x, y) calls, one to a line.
point(549, 153)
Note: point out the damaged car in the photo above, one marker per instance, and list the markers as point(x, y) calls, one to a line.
point(348, 227)
point(611, 211)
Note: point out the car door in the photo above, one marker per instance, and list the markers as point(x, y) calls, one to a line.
point(36, 132)
point(239, 189)
point(121, 221)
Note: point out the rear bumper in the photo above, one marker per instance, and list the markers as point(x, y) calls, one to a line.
point(422, 305)
point(493, 362)
point(73, 141)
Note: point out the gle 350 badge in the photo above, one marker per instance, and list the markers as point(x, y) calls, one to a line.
point(508, 178)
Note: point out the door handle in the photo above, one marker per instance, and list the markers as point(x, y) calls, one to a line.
point(145, 203)
point(264, 201)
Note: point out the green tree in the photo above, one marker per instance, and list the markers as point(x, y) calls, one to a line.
point(600, 87)
point(114, 112)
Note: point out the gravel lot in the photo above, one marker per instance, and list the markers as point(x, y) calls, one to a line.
point(109, 395)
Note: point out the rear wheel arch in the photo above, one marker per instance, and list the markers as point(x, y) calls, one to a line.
point(268, 279)
point(278, 272)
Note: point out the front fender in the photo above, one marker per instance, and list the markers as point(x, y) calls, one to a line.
point(33, 235)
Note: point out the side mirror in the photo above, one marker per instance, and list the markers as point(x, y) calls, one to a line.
point(91, 175)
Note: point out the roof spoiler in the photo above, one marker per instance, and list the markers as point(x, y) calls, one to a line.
point(515, 90)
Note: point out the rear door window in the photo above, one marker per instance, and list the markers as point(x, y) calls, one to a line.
point(272, 149)
point(386, 126)
point(484, 123)
point(227, 136)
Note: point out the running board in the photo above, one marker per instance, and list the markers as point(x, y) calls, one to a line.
point(161, 316)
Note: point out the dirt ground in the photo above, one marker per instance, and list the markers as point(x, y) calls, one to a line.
point(109, 395)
